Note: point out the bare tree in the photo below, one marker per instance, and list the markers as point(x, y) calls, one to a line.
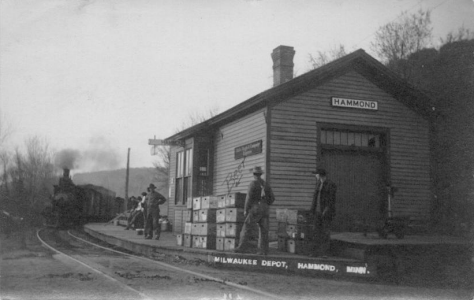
point(5, 157)
point(32, 176)
point(397, 40)
point(5, 161)
point(195, 118)
point(5, 131)
point(462, 34)
point(324, 57)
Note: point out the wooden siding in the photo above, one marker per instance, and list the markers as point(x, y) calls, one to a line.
point(293, 142)
point(231, 175)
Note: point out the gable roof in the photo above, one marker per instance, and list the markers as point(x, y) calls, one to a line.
point(358, 60)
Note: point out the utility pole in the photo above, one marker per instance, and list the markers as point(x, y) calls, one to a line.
point(126, 179)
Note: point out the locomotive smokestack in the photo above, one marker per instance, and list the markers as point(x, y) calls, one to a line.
point(66, 173)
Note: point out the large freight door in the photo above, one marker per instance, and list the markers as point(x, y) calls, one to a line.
point(355, 162)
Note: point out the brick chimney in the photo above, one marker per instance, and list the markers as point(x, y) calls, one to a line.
point(282, 57)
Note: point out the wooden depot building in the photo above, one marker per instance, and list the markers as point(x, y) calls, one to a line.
point(354, 117)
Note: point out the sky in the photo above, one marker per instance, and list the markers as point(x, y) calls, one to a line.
point(97, 77)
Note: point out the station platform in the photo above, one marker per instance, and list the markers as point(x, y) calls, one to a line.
point(352, 254)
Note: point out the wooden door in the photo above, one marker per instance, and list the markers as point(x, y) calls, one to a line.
point(360, 181)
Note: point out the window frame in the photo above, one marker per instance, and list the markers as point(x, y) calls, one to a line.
point(184, 174)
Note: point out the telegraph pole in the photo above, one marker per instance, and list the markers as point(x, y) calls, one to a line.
point(126, 179)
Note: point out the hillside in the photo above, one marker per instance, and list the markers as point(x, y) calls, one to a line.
point(139, 179)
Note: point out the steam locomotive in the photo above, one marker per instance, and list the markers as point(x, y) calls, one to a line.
point(74, 205)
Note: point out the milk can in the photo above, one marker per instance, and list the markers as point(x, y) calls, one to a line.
point(164, 223)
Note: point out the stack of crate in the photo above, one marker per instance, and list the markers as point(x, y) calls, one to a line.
point(229, 219)
point(295, 231)
point(185, 239)
point(203, 226)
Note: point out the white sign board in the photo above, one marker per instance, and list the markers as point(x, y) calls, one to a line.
point(156, 142)
point(352, 103)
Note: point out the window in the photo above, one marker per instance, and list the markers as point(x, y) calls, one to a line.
point(184, 171)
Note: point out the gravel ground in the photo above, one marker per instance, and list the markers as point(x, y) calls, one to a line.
point(30, 271)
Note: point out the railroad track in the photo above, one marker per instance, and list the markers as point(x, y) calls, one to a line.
point(136, 274)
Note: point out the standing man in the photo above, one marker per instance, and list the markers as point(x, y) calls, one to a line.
point(323, 209)
point(259, 198)
point(153, 202)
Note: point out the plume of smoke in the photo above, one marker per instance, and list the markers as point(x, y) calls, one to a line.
point(99, 155)
point(67, 158)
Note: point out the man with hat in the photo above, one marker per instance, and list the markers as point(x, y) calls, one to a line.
point(152, 211)
point(323, 209)
point(259, 197)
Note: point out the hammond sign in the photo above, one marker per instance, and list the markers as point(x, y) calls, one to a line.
point(352, 103)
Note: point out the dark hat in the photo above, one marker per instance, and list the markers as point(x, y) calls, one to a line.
point(320, 172)
point(257, 170)
point(152, 186)
point(143, 194)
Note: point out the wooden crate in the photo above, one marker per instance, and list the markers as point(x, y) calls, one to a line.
point(233, 229)
point(195, 228)
point(209, 202)
point(235, 200)
point(299, 216)
point(282, 244)
point(179, 239)
point(281, 229)
point(188, 228)
point(220, 243)
point(300, 232)
point(220, 215)
point(195, 216)
point(291, 231)
point(300, 246)
point(221, 201)
point(187, 240)
point(207, 215)
point(281, 215)
point(197, 203)
point(305, 232)
point(188, 215)
point(220, 230)
point(196, 242)
point(207, 242)
point(291, 245)
point(230, 243)
point(207, 229)
point(234, 215)
point(189, 203)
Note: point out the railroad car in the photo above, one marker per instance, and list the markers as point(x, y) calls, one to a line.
point(74, 205)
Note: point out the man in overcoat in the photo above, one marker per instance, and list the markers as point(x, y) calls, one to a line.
point(323, 208)
point(259, 197)
point(152, 211)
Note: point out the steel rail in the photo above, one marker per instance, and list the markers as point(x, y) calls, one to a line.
point(229, 283)
point(144, 296)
